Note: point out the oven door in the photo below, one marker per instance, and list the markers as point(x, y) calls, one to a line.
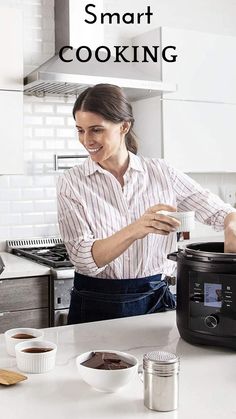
point(60, 301)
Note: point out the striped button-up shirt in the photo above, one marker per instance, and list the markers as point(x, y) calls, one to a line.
point(92, 205)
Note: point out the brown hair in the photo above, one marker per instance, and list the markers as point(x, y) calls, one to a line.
point(109, 101)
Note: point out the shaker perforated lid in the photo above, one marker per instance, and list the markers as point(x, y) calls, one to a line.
point(161, 362)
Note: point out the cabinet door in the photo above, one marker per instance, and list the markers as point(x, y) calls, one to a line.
point(11, 128)
point(11, 47)
point(205, 67)
point(38, 318)
point(199, 137)
point(24, 293)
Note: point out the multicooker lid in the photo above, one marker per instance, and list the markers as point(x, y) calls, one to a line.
point(209, 251)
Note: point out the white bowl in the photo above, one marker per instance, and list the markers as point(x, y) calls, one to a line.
point(36, 362)
point(187, 219)
point(12, 342)
point(107, 380)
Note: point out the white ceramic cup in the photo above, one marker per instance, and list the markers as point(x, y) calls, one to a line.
point(36, 362)
point(187, 219)
point(11, 342)
point(107, 380)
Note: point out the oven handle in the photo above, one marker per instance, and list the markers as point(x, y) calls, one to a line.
point(63, 319)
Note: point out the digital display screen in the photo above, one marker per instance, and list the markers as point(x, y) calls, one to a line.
point(213, 295)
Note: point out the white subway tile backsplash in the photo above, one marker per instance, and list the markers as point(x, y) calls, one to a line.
point(4, 182)
point(75, 146)
point(44, 132)
point(33, 120)
point(50, 193)
point(33, 193)
point(55, 120)
point(21, 232)
point(33, 218)
point(34, 144)
point(44, 181)
point(4, 207)
point(64, 109)
point(10, 219)
point(28, 108)
point(45, 206)
point(50, 218)
point(43, 108)
point(22, 206)
point(43, 156)
point(45, 230)
point(21, 181)
point(5, 233)
point(10, 194)
point(65, 133)
point(28, 132)
point(54, 145)
point(70, 122)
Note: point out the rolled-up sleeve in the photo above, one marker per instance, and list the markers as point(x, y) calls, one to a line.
point(190, 196)
point(75, 229)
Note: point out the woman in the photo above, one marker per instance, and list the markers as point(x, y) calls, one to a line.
point(108, 214)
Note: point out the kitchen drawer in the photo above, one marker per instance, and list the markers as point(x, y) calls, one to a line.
point(38, 318)
point(24, 293)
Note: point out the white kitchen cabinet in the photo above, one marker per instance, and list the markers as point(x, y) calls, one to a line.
point(11, 132)
point(11, 46)
point(199, 136)
point(195, 126)
point(205, 67)
point(11, 91)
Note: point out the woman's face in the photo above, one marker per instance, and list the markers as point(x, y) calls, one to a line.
point(102, 138)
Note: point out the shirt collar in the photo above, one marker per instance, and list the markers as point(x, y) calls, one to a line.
point(90, 167)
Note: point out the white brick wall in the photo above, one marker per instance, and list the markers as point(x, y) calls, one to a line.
point(28, 202)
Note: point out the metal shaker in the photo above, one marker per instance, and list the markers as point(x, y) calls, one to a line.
point(161, 380)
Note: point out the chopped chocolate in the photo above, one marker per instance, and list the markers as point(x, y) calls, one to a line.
point(106, 361)
point(22, 336)
point(36, 350)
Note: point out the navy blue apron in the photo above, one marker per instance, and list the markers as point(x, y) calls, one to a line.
point(94, 299)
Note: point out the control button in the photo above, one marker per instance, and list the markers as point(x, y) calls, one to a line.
point(211, 321)
point(59, 300)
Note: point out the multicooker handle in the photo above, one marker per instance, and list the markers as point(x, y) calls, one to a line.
point(173, 256)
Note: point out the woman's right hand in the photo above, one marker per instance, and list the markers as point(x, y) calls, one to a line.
point(152, 222)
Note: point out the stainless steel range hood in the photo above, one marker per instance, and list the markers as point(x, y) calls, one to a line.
point(56, 77)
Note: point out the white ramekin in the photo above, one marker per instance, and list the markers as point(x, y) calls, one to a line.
point(36, 362)
point(187, 219)
point(12, 342)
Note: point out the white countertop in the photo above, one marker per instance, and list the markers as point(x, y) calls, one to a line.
point(16, 267)
point(207, 375)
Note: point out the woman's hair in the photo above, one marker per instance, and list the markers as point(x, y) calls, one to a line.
point(110, 102)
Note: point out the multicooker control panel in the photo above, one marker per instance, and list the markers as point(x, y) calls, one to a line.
point(212, 303)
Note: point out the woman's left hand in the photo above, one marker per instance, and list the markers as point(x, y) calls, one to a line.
point(230, 233)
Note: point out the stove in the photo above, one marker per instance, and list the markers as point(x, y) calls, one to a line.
point(50, 252)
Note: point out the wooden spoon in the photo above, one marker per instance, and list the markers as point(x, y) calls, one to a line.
point(7, 378)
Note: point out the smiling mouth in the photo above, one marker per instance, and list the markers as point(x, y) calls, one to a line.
point(94, 150)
